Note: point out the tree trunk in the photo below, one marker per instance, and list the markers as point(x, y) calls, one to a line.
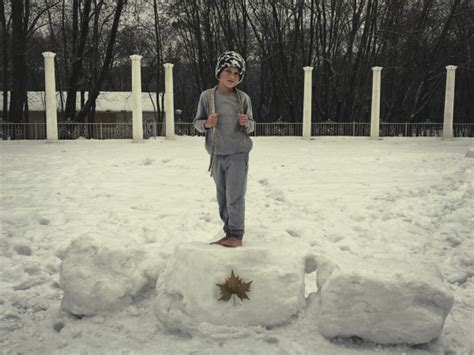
point(6, 78)
point(18, 45)
point(78, 55)
point(159, 117)
point(94, 59)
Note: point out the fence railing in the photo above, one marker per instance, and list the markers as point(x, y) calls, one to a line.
point(16, 131)
point(22, 130)
point(95, 130)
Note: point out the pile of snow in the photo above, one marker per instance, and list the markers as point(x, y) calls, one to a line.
point(97, 276)
point(383, 300)
point(188, 293)
point(470, 153)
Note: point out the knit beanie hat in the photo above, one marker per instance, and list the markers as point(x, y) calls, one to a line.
point(231, 59)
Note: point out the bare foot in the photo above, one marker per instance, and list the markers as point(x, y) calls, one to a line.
point(231, 242)
point(221, 240)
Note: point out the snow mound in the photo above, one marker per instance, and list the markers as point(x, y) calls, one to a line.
point(187, 298)
point(382, 300)
point(470, 153)
point(98, 276)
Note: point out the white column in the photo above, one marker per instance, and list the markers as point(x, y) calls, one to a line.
point(375, 114)
point(307, 103)
point(50, 92)
point(137, 116)
point(449, 103)
point(169, 102)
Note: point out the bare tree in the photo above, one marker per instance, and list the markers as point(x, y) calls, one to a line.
point(159, 62)
point(416, 48)
point(79, 40)
point(106, 64)
point(5, 69)
point(18, 101)
point(412, 40)
point(94, 58)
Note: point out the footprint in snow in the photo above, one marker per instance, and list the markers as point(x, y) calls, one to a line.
point(44, 221)
point(263, 182)
point(23, 250)
point(58, 326)
point(334, 238)
point(139, 208)
point(271, 340)
point(32, 270)
point(294, 233)
point(358, 217)
point(148, 161)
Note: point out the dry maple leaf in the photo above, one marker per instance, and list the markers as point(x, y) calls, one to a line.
point(243, 289)
point(234, 285)
point(226, 294)
point(233, 282)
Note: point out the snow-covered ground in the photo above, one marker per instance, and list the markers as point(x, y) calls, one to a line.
point(406, 198)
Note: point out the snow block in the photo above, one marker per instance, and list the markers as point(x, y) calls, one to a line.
point(382, 300)
point(470, 153)
point(187, 291)
point(97, 276)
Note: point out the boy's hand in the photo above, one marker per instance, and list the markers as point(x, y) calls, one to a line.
point(244, 120)
point(211, 121)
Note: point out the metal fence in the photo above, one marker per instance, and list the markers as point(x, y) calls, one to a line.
point(95, 130)
point(15, 131)
point(425, 129)
point(22, 130)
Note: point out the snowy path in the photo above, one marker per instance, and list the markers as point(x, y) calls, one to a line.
point(407, 198)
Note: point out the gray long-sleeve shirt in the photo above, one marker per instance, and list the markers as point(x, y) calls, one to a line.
point(231, 137)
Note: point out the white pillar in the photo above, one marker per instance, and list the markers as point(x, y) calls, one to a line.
point(50, 92)
point(307, 103)
point(449, 103)
point(375, 114)
point(169, 102)
point(137, 116)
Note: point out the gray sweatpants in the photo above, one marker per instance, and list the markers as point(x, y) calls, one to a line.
point(230, 176)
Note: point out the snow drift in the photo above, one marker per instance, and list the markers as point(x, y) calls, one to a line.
point(97, 276)
point(188, 293)
point(382, 300)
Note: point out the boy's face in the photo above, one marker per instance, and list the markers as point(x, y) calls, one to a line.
point(229, 77)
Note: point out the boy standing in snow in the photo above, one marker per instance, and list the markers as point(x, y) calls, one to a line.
point(224, 113)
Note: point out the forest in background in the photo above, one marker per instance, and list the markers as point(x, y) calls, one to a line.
point(413, 40)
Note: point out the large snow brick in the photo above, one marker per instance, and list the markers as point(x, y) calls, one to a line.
point(385, 301)
point(188, 296)
point(97, 276)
